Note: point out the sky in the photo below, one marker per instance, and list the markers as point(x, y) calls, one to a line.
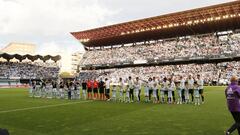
point(48, 23)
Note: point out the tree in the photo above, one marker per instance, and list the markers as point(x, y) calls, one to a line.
point(66, 75)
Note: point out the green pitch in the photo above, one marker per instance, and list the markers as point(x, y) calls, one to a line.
point(31, 116)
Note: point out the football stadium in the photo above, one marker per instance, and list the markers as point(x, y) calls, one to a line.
point(172, 74)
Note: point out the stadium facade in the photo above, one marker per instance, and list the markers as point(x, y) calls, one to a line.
point(19, 48)
point(76, 58)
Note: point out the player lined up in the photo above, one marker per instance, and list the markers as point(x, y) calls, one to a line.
point(52, 89)
point(129, 90)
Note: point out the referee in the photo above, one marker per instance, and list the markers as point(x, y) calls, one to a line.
point(232, 93)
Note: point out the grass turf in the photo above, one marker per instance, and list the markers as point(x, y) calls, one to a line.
point(108, 118)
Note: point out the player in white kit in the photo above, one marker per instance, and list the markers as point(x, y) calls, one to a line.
point(30, 88)
point(179, 92)
point(72, 89)
point(43, 89)
point(37, 92)
point(186, 94)
point(127, 92)
point(146, 91)
point(170, 91)
point(48, 89)
point(164, 88)
point(121, 89)
point(78, 90)
point(155, 88)
point(196, 94)
point(114, 91)
point(137, 87)
point(200, 84)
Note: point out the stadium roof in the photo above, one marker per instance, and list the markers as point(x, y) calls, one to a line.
point(214, 18)
point(8, 57)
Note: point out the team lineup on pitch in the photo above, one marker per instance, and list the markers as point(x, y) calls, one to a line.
point(91, 67)
point(128, 91)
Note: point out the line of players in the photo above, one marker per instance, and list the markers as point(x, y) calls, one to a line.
point(56, 89)
point(129, 90)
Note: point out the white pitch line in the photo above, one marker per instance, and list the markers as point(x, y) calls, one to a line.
point(40, 107)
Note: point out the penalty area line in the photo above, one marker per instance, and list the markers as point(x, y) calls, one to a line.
point(41, 107)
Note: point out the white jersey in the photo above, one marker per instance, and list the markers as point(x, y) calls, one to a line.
point(121, 85)
point(196, 92)
point(169, 94)
point(171, 89)
point(48, 86)
point(186, 94)
point(155, 84)
point(108, 84)
point(200, 83)
point(137, 85)
point(172, 86)
point(182, 84)
point(165, 85)
point(150, 85)
point(190, 83)
point(154, 92)
point(146, 91)
point(130, 84)
point(114, 90)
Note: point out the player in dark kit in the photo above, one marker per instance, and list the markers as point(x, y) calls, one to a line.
point(61, 90)
point(101, 88)
point(89, 88)
point(150, 85)
point(69, 85)
point(190, 86)
point(84, 89)
point(54, 85)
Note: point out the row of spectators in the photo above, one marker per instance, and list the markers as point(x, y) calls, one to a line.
point(28, 70)
point(191, 46)
point(218, 73)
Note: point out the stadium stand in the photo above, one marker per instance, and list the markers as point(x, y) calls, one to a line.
point(27, 67)
point(28, 70)
point(202, 41)
point(184, 47)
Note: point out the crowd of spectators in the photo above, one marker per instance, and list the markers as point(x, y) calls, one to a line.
point(22, 70)
point(209, 45)
point(218, 73)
